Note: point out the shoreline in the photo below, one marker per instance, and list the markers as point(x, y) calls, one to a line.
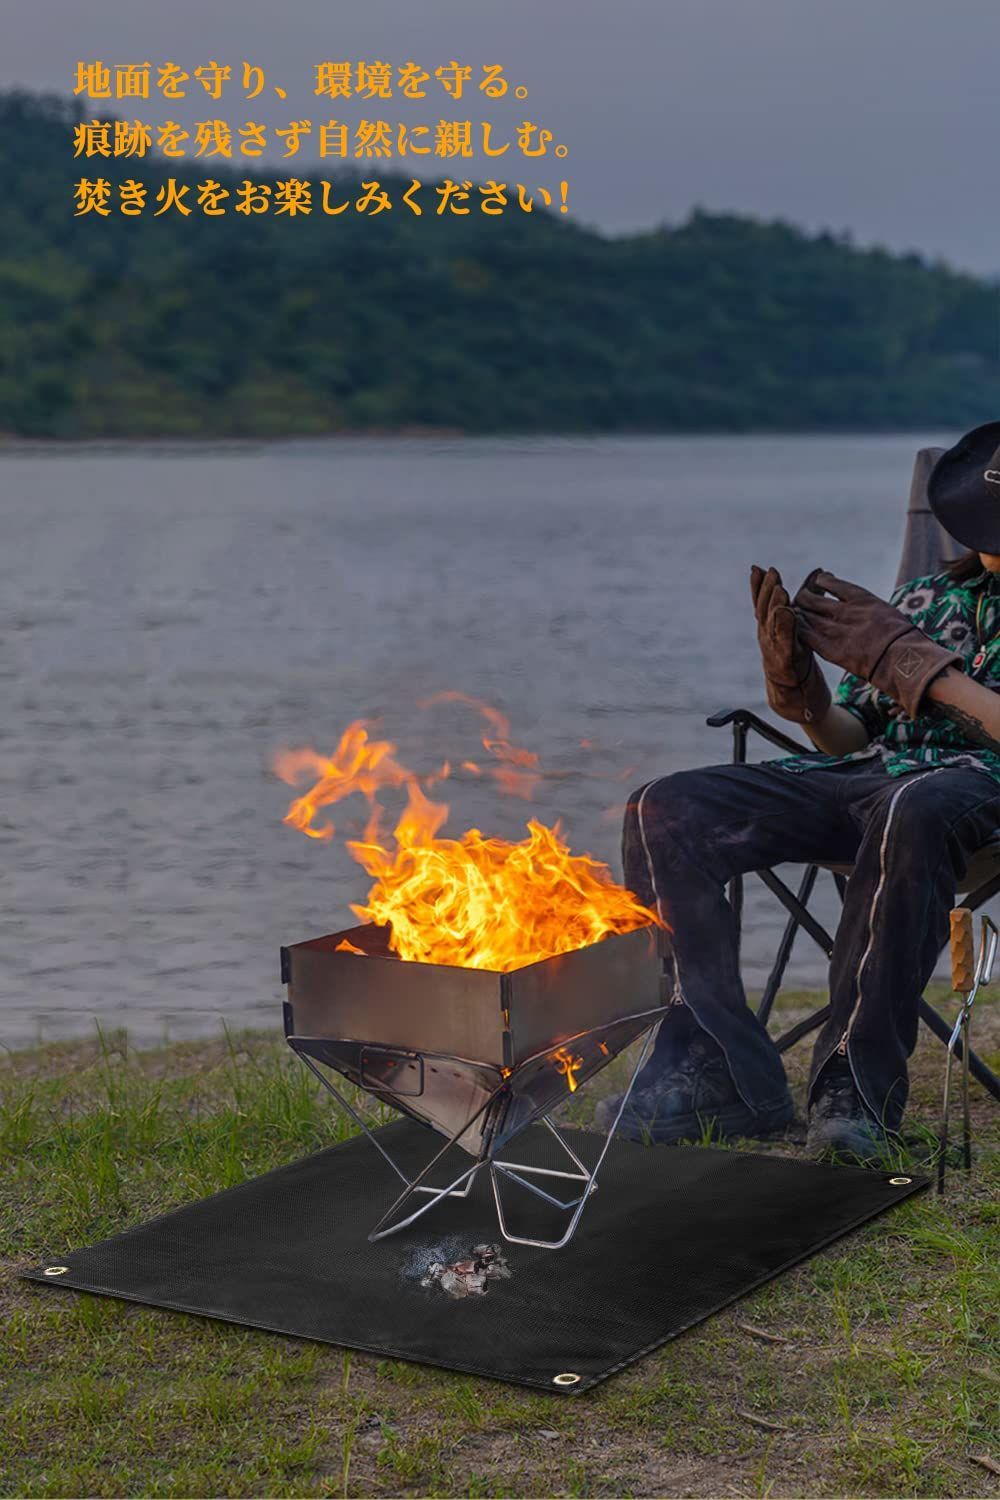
point(12, 443)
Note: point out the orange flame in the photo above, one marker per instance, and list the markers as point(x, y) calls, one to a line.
point(516, 773)
point(357, 765)
point(568, 1066)
point(472, 901)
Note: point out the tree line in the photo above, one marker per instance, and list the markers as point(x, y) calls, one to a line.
point(248, 327)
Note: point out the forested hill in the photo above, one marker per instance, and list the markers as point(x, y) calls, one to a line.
point(269, 325)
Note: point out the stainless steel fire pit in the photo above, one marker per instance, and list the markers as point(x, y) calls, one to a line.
point(475, 1053)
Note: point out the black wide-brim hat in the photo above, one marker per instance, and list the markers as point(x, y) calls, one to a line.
point(964, 489)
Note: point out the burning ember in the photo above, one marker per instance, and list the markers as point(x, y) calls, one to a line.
point(464, 1278)
point(471, 901)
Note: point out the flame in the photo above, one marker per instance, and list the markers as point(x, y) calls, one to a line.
point(345, 947)
point(568, 1066)
point(516, 774)
point(472, 901)
point(357, 765)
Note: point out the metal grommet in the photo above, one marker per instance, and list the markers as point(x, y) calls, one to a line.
point(566, 1379)
point(56, 1270)
point(900, 1181)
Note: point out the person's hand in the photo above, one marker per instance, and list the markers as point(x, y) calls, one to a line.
point(796, 687)
point(865, 635)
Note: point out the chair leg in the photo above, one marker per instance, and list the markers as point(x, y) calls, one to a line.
point(802, 914)
point(792, 926)
point(977, 898)
point(819, 1017)
point(802, 1028)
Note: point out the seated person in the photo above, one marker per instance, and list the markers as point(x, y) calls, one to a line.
point(904, 784)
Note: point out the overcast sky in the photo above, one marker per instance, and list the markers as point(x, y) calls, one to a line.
point(877, 116)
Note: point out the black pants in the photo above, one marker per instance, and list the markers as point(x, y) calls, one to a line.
point(908, 838)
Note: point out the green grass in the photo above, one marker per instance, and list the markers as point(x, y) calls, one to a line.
point(880, 1375)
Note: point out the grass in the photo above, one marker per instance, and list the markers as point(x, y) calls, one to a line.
point(872, 1370)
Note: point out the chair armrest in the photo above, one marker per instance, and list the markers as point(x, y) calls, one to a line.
point(743, 719)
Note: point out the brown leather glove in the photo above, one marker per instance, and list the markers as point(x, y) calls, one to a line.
point(866, 636)
point(796, 687)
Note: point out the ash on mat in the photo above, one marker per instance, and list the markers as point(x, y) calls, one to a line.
point(471, 1276)
point(451, 1266)
point(672, 1235)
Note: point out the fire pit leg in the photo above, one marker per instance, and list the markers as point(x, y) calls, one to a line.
point(511, 1169)
point(435, 1194)
point(585, 1176)
point(378, 1233)
point(415, 1186)
point(349, 1109)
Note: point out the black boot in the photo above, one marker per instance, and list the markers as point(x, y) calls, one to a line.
point(838, 1120)
point(683, 1101)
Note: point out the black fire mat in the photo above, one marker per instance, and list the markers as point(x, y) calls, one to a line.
point(671, 1235)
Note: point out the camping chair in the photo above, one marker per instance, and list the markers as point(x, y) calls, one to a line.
point(927, 547)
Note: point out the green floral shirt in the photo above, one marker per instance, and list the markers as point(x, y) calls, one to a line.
point(965, 617)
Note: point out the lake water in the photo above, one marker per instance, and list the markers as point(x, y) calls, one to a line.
point(171, 616)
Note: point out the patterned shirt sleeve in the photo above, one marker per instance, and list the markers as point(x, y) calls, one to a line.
point(864, 702)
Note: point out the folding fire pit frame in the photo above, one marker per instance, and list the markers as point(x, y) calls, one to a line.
point(476, 1053)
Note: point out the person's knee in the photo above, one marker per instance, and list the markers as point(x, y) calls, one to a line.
point(666, 819)
point(920, 833)
point(919, 819)
point(660, 792)
point(668, 799)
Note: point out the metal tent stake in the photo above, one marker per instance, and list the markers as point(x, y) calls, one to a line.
point(967, 975)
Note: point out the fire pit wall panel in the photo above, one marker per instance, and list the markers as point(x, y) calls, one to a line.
point(424, 1007)
point(585, 988)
